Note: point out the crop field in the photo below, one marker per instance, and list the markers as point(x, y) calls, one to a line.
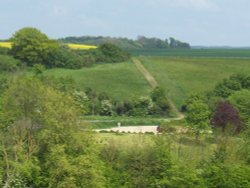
point(81, 46)
point(72, 46)
point(211, 53)
point(5, 44)
point(184, 76)
point(121, 80)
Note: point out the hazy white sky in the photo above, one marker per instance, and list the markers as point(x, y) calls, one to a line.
point(199, 22)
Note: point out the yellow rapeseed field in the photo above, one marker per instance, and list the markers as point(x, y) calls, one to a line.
point(72, 46)
point(5, 44)
point(81, 46)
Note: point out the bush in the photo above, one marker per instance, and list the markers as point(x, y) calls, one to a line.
point(149, 133)
point(112, 54)
point(104, 131)
point(8, 63)
point(161, 105)
point(4, 51)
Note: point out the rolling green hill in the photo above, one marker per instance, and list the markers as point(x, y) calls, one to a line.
point(201, 53)
point(180, 76)
point(120, 80)
point(183, 76)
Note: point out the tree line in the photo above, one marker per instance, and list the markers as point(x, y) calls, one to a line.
point(141, 42)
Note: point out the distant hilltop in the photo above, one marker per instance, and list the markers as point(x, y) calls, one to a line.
point(141, 42)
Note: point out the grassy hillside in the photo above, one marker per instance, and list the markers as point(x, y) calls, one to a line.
point(179, 76)
point(121, 80)
point(211, 53)
point(183, 76)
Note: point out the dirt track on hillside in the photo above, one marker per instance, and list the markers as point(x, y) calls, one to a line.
point(153, 83)
point(151, 80)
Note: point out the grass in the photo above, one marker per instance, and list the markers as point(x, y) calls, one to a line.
point(184, 148)
point(180, 76)
point(120, 80)
point(212, 53)
point(184, 76)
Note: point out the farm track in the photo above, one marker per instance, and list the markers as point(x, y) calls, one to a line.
point(153, 83)
point(151, 80)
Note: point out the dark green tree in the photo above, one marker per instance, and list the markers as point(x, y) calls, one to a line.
point(161, 104)
point(227, 87)
point(112, 54)
point(241, 101)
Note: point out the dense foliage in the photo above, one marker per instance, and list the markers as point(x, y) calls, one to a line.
point(42, 145)
point(113, 54)
point(228, 103)
point(39, 142)
point(8, 64)
point(155, 105)
point(198, 114)
point(31, 46)
point(226, 117)
point(234, 83)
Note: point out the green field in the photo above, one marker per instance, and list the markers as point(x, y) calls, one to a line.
point(184, 76)
point(211, 53)
point(121, 80)
point(178, 75)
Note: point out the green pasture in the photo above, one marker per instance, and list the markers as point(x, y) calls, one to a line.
point(184, 76)
point(180, 76)
point(212, 53)
point(184, 147)
point(121, 80)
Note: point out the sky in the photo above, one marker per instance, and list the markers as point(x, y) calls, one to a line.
point(199, 22)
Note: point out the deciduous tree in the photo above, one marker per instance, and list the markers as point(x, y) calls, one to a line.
point(226, 117)
point(197, 114)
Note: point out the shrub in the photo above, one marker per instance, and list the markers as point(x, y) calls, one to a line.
point(8, 63)
point(112, 54)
